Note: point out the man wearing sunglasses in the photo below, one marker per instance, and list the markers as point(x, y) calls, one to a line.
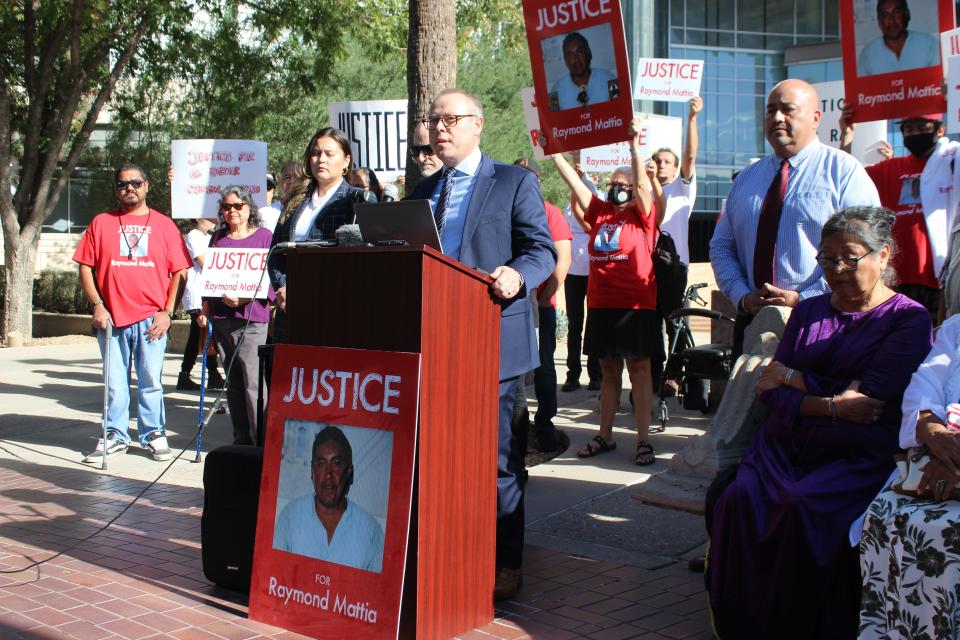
point(422, 153)
point(491, 216)
point(133, 263)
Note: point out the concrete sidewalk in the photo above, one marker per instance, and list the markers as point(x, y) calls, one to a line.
point(599, 564)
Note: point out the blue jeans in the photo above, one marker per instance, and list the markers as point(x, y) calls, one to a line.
point(148, 362)
point(545, 376)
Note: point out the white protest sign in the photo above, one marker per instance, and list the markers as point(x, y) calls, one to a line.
point(949, 47)
point(532, 118)
point(234, 271)
point(201, 168)
point(671, 80)
point(658, 132)
point(868, 135)
point(953, 95)
point(377, 130)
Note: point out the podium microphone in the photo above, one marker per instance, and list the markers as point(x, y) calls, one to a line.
point(286, 246)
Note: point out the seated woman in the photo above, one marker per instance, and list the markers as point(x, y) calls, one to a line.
point(910, 549)
point(622, 324)
point(779, 563)
point(319, 201)
point(239, 324)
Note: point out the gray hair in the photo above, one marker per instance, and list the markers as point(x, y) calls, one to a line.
point(871, 226)
point(243, 194)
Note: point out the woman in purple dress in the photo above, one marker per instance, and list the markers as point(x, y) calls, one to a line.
point(780, 564)
point(239, 323)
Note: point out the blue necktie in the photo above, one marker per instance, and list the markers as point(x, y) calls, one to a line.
point(440, 215)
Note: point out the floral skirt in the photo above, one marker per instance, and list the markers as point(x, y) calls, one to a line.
point(910, 560)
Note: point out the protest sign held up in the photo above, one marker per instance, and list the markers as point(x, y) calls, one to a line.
point(658, 132)
point(891, 56)
point(669, 80)
point(581, 76)
point(201, 168)
point(869, 134)
point(377, 130)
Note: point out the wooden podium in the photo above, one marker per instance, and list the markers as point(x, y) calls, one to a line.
point(415, 299)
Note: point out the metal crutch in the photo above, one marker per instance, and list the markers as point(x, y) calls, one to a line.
point(203, 387)
point(106, 389)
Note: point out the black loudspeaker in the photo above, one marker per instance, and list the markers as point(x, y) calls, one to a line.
point(228, 526)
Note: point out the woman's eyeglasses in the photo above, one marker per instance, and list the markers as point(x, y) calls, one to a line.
point(843, 264)
point(236, 206)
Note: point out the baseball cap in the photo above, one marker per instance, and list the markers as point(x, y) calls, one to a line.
point(271, 181)
point(935, 117)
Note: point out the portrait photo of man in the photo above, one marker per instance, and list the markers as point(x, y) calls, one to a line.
point(325, 524)
point(898, 48)
point(582, 83)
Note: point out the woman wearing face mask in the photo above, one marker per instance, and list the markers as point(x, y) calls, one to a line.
point(318, 202)
point(921, 231)
point(622, 323)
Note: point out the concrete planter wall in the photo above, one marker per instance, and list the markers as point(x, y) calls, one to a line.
point(49, 325)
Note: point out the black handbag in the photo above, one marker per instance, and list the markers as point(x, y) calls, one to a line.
point(667, 268)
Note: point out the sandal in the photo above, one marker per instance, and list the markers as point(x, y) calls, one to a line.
point(596, 446)
point(645, 454)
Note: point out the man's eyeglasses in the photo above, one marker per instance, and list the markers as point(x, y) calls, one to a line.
point(416, 149)
point(449, 121)
point(123, 184)
point(844, 264)
point(236, 206)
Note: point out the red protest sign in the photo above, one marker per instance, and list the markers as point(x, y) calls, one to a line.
point(335, 492)
point(581, 76)
point(891, 56)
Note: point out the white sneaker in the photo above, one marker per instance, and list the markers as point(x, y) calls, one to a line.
point(157, 446)
point(114, 446)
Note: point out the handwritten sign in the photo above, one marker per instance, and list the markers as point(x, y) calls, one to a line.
point(658, 132)
point(377, 130)
point(953, 96)
point(236, 272)
point(202, 168)
point(868, 136)
point(669, 80)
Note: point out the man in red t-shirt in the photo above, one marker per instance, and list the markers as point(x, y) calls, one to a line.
point(898, 181)
point(133, 263)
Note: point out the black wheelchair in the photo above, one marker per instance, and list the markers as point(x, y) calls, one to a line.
point(689, 365)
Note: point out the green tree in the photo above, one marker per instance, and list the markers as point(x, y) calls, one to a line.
point(60, 62)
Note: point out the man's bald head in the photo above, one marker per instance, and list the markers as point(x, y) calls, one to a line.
point(792, 117)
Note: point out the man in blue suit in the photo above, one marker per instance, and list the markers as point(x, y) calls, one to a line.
point(491, 216)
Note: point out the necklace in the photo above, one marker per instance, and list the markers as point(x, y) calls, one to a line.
point(136, 239)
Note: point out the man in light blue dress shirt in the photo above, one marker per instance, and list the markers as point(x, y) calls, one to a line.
point(822, 180)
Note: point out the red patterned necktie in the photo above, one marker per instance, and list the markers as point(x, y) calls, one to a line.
point(768, 225)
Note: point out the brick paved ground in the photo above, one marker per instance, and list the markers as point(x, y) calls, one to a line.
point(142, 577)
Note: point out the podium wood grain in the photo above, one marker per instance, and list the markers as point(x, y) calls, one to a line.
point(417, 300)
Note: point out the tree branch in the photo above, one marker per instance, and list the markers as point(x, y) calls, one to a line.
point(80, 141)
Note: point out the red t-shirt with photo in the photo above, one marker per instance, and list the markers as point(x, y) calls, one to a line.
point(898, 182)
point(559, 230)
point(621, 267)
point(133, 258)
